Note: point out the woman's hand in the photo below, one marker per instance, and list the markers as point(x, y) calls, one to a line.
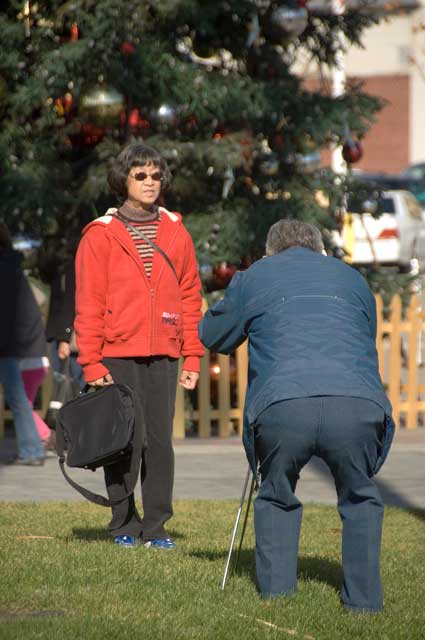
point(188, 379)
point(102, 382)
point(64, 350)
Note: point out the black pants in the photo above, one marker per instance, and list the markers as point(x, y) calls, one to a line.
point(346, 433)
point(153, 381)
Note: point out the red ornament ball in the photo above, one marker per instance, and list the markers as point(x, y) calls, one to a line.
point(277, 142)
point(74, 32)
point(302, 3)
point(352, 151)
point(223, 273)
point(67, 101)
point(135, 120)
point(127, 48)
point(86, 135)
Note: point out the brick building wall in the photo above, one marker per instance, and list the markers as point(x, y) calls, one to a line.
point(386, 145)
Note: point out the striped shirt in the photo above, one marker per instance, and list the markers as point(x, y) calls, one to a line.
point(145, 251)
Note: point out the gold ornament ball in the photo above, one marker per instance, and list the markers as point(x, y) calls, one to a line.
point(102, 106)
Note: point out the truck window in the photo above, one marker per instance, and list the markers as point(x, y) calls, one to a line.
point(386, 205)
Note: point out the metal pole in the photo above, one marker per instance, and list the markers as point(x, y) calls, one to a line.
point(338, 83)
point(248, 504)
point(339, 166)
point(235, 528)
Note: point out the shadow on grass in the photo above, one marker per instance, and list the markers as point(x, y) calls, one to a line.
point(417, 513)
point(390, 494)
point(96, 534)
point(176, 535)
point(320, 570)
point(93, 534)
point(392, 498)
point(316, 569)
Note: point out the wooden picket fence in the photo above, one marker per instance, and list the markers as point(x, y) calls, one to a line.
point(219, 397)
point(216, 407)
point(400, 345)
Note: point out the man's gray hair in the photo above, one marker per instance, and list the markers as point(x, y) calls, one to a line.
point(285, 234)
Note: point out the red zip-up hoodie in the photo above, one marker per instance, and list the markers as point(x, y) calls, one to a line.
point(120, 312)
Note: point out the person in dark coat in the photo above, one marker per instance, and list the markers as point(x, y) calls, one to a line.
point(20, 337)
point(57, 268)
point(313, 389)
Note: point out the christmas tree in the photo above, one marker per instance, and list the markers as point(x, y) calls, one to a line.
point(211, 84)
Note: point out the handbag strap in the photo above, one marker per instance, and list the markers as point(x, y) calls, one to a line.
point(148, 240)
point(136, 457)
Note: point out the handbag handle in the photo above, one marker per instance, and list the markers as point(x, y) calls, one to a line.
point(149, 241)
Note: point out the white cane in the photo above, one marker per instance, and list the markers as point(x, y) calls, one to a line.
point(235, 528)
point(248, 504)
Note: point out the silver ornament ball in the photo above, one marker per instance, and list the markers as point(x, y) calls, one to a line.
point(166, 115)
point(269, 165)
point(287, 23)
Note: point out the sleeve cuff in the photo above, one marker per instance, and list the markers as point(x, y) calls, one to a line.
point(192, 363)
point(64, 335)
point(94, 371)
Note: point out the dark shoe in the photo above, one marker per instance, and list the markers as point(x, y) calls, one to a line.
point(27, 462)
point(125, 541)
point(161, 543)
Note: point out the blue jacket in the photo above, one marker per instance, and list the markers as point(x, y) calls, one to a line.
point(311, 324)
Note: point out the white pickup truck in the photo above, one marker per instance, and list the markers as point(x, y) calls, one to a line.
point(394, 238)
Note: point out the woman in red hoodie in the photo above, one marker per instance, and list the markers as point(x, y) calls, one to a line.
point(136, 314)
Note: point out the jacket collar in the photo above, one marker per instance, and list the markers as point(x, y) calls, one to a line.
point(174, 217)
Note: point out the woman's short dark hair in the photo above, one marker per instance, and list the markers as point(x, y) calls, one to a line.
point(135, 155)
point(285, 234)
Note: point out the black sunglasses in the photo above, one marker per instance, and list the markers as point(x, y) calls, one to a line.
point(140, 176)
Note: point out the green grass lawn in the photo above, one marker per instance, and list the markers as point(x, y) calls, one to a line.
point(61, 577)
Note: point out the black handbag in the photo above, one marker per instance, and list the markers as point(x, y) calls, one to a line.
point(98, 429)
point(65, 388)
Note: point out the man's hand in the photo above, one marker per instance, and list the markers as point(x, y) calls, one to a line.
point(64, 350)
point(102, 382)
point(188, 379)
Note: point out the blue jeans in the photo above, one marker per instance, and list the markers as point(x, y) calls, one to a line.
point(346, 433)
point(27, 438)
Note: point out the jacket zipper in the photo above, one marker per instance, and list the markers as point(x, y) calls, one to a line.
point(152, 319)
point(157, 282)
